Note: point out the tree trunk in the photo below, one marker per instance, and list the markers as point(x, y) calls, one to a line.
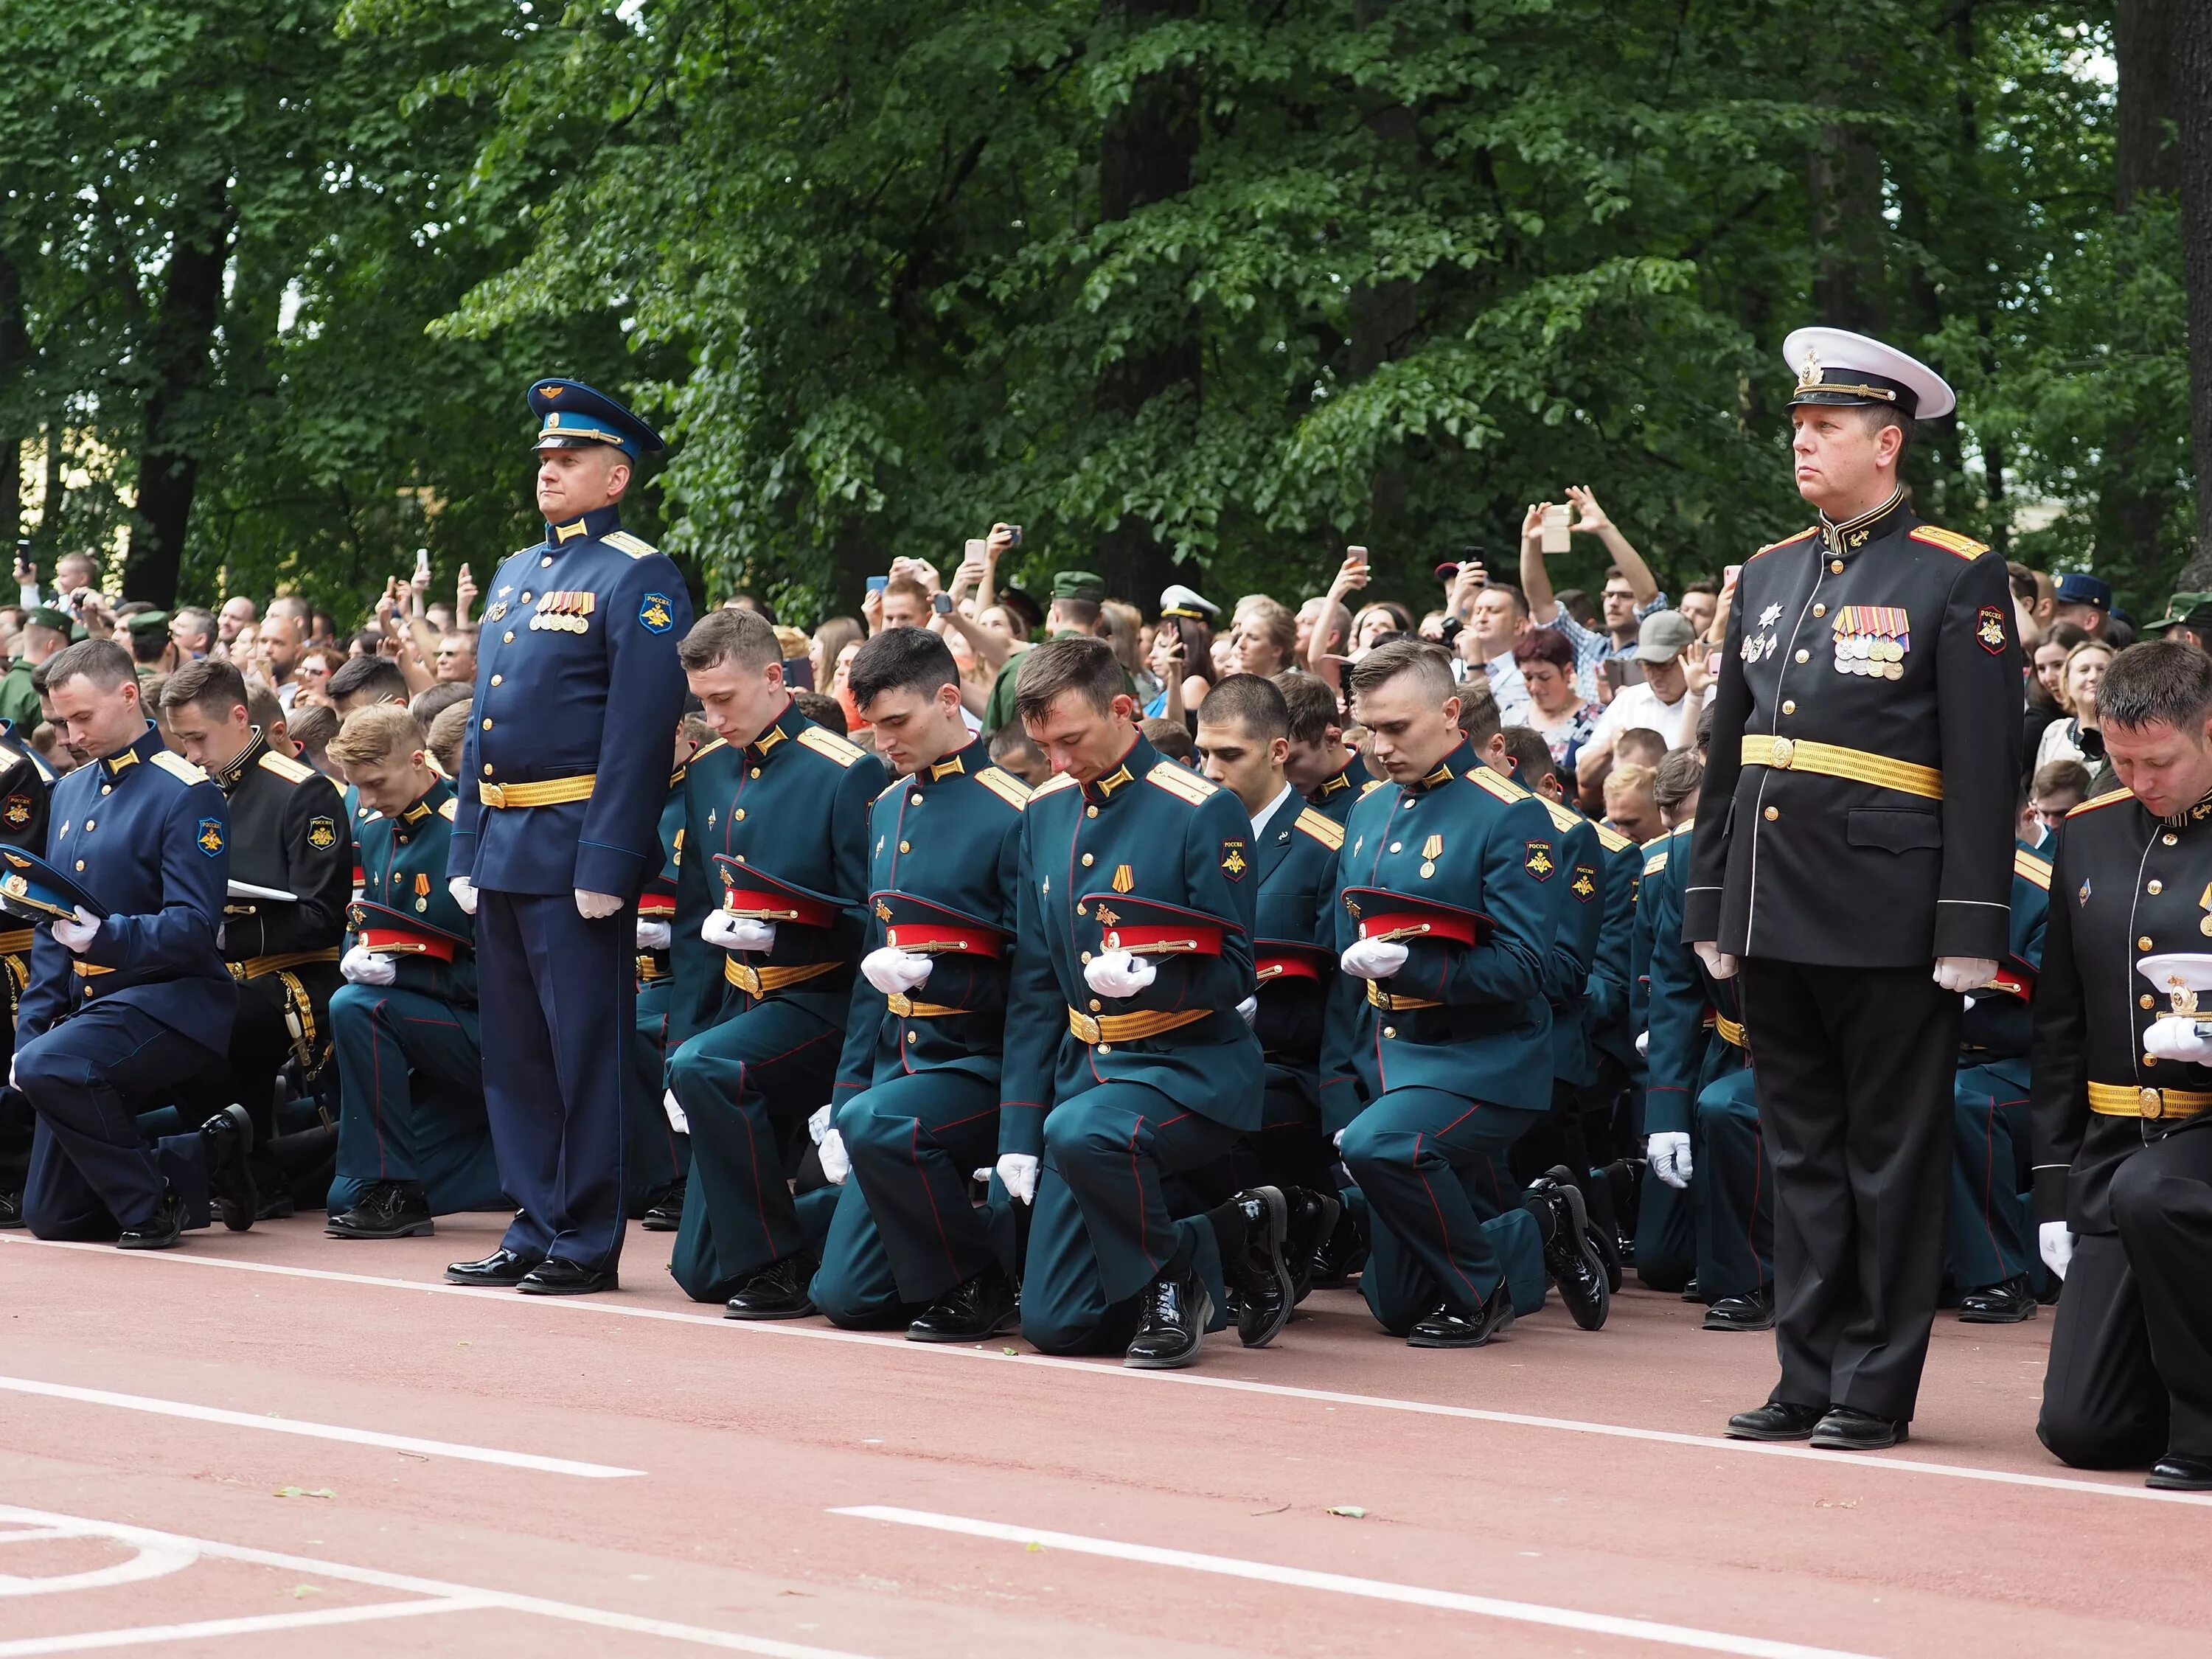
point(1145, 155)
point(1383, 313)
point(177, 344)
point(2190, 37)
point(1844, 180)
point(2142, 46)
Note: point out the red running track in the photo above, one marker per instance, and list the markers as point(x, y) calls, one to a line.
point(633, 1474)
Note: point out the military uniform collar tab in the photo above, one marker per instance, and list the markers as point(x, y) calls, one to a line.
point(148, 741)
point(956, 764)
point(229, 775)
point(599, 522)
point(420, 810)
point(1337, 785)
point(1136, 761)
point(2195, 814)
point(789, 724)
point(1460, 760)
point(1857, 532)
point(676, 777)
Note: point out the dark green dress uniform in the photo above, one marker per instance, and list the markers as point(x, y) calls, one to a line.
point(1295, 854)
point(658, 1155)
point(917, 1089)
point(410, 1054)
point(1665, 1247)
point(25, 782)
point(1116, 1095)
point(1992, 1231)
point(1337, 795)
point(1856, 824)
point(797, 814)
point(288, 831)
point(1571, 969)
point(1698, 1082)
point(2121, 1152)
point(1454, 1051)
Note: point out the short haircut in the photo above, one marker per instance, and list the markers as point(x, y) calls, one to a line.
point(103, 662)
point(428, 704)
point(263, 707)
point(1625, 779)
point(1078, 613)
point(1520, 599)
point(377, 679)
point(1640, 745)
point(2066, 634)
point(1703, 585)
point(1879, 415)
point(1311, 705)
point(1170, 737)
point(2024, 585)
point(1680, 776)
point(821, 708)
point(1479, 718)
point(2060, 777)
point(449, 736)
point(755, 604)
point(1546, 645)
point(1531, 754)
point(1428, 662)
point(2157, 682)
point(312, 728)
point(1086, 667)
point(208, 683)
point(1253, 703)
point(147, 644)
point(905, 587)
point(1012, 743)
point(900, 660)
point(374, 732)
point(744, 638)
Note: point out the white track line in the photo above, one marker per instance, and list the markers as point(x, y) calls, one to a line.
point(991, 1354)
point(474, 1597)
point(91, 1641)
point(1377, 1590)
point(406, 1442)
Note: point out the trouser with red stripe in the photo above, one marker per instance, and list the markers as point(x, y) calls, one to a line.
point(1448, 1226)
point(411, 1101)
point(904, 1231)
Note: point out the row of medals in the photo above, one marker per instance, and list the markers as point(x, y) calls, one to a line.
point(1876, 659)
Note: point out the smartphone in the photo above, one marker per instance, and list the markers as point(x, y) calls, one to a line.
point(1013, 535)
point(1556, 536)
point(1357, 554)
point(23, 559)
point(976, 550)
point(1729, 572)
point(1613, 671)
point(798, 673)
point(1472, 555)
point(423, 561)
point(876, 584)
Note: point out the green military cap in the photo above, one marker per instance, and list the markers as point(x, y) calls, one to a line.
point(46, 616)
point(2179, 608)
point(140, 622)
point(1077, 585)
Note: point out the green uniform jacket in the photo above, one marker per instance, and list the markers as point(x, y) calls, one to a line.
point(403, 869)
point(1682, 1005)
point(1296, 858)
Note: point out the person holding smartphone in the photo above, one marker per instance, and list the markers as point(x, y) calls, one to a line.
point(1630, 594)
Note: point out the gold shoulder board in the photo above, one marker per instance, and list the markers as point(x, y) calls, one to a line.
point(1787, 541)
point(1179, 780)
point(1949, 540)
point(1610, 839)
point(633, 545)
point(1005, 785)
point(1053, 785)
point(1321, 827)
point(2028, 867)
point(177, 767)
point(285, 767)
point(2096, 801)
point(1505, 788)
point(823, 741)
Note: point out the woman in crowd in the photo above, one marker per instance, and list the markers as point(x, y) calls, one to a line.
point(2069, 738)
point(1558, 713)
point(1183, 657)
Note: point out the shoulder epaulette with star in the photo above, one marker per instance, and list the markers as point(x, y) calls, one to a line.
point(1949, 540)
point(177, 767)
point(1005, 785)
point(285, 767)
point(2032, 867)
point(1787, 541)
point(822, 741)
point(1321, 827)
point(2096, 801)
point(1185, 785)
point(1505, 788)
point(1612, 840)
point(623, 542)
point(1053, 785)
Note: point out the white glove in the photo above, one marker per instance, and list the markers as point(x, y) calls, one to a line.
point(2054, 1242)
point(465, 894)
point(1718, 963)
point(595, 907)
point(1118, 974)
point(2174, 1037)
point(75, 932)
point(1669, 1152)
point(653, 935)
point(1336, 1140)
point(894, 972)
point(736, 932)
point(1018, 1174)
point(1964, 972)
point(834, 1163)
point(820, 1122)
point(1374, 958)
point(677, 1120)
point(362, 966)
point(1644, 1044)
point(1249, 1010)
point(11, 1071)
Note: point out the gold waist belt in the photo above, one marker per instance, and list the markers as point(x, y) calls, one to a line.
point(553, 792)
point(907, 1008)
point(761, 981)
point(1379, 998)
point(255, 967)
point(2125, 1100)
point(1731, 1032)
point(649, 970)
point(1103, 1030)
point(1833, 761)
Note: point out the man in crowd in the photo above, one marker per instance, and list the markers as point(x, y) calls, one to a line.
point(45, 631)
point(1317, 764)
point(1499, 617)
point(1631, 591)
point(2085, 601)
point(1656, 702)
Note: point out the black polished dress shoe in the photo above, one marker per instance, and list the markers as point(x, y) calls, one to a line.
point(1175, 1313)
point(1778, 1419)
point(11, 1211)
point(664, 1215)
point(1846, 1428)
point(504, 1269)
point(229, 1137)
point(558, 1276)
point(159, 1231)
point(1312, 1220)
point(1251, 1229)
point(1446, 1328)
point(779, 1290)
point(389, 1209)
point(2175, 1473)
point(1570, 1260)
point(1752, 1311)
point(1341, 1257)
point(2006, 1303)
point(974, 1310)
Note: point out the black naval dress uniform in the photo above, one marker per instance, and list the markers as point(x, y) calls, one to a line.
point(25, 783)
point(1857, 824)
point(2124, 1144)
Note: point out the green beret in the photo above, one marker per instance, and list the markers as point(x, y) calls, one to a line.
point(139, 621)
point(47, 616)
point(1077, 585)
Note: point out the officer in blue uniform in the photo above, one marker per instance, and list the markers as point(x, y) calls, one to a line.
point(1450, 889)
point(771, 902)
point(1992, 1250)
point(128, 988)
point(25, 782)
point(1128, 1058)
point(916, 1102)
point(561, 785)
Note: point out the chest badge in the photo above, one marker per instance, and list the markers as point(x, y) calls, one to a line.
point(1431, 849)
point(1871, 639)
point(1536, 860)
point(1771, 615)
point(322, 834)
point(1233, 862)
point(1764, 645)
point(2205, 903)
point(2082, 894)
point(497, 611)
point(565, 612)
point(210, 837)
point(1125, 879)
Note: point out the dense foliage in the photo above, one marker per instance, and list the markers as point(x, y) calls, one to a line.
point(1181, 285)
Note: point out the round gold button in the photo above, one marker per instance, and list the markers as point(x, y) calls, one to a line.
point(1820, 610)
point(1789, 707)
point(1395, 845)
point(507, 638)
point(754, 772)
point(1082, 909)
point(80, 864)
point(525, 596)
point(109, 789)
point(1773, 813)
point(1105, 1047)
point(89, 826)
point(911, 1035)
point(2169, 839)
point(546, 560)
point(2152, 887)
point(487, 725)
point(1389, 1030)
point(906, 847)
point(487, 769)
point(1095, 1005)
point(2143, 944)
point(2150, 1060)
point(2148, 1000)
point(914, 800)
point(496, 678)
point(1088, 861)
point(1085, 956)
point(1090, 812)
point(739, 815)
point(1836, 565)
point(1804, 656)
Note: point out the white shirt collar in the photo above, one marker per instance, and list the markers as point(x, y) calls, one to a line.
point(1260, 818)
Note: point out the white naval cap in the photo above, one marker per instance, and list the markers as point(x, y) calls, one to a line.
point(1834, 365)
